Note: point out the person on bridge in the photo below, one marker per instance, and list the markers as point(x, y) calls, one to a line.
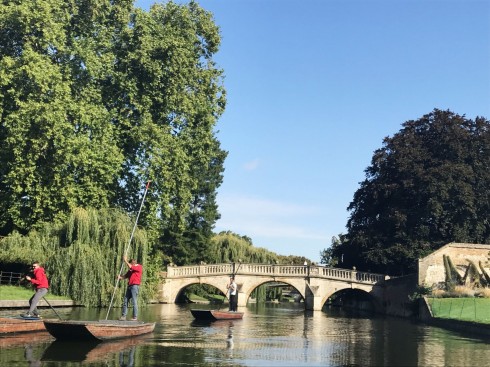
point(40, 280)
point(134, 275)
point(233, 291)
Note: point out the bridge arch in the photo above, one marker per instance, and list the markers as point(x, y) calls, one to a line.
point(377, 306)
point(246, 287)
point(315, 283)
point(171, 289)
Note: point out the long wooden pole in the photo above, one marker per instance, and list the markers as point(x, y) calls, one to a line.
point(127, 247)
point(49, 304)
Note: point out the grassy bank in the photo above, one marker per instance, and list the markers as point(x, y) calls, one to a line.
point(10, 292)
point(464, 308)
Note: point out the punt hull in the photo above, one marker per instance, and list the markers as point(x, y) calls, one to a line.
point(214, 315)
point(97, 330)
point(20, 325)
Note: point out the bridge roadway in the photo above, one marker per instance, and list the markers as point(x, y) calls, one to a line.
point(315, 283)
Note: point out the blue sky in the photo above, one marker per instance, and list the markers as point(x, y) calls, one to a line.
point(313, 88)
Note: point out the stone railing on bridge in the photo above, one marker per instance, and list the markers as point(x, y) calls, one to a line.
point(198, 270)
point(274, 271)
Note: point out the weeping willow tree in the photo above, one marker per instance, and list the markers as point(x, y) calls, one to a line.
point(83, 256)
point(230, 247)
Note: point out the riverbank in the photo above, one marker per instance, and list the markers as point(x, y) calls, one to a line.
point(15, 304)
point(427, 316)
point(14, 297)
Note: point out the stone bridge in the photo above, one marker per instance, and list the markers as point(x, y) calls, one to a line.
point(315, 283)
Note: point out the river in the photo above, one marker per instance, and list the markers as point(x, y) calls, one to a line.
point(268, 335)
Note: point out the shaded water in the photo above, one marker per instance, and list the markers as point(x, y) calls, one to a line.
point(268, 335)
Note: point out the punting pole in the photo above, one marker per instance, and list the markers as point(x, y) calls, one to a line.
point(49, 304)
point(127, 247)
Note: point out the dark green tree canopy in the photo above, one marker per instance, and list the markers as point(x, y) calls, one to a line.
point(427, 186)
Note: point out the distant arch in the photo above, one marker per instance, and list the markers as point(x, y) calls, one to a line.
point(255, 285)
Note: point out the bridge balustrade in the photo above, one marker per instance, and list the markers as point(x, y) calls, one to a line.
point(369, 277)
point(192, 270)
point(274, 270)
point(346, 274)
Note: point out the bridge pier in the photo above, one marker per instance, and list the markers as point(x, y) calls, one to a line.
point(242, 299)
point(313, 300)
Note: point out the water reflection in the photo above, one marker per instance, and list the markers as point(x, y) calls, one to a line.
point(272, 335)
point(229, 339)
point(69, 351)
point(93, 351)
point(130, 357)
point(32, 360)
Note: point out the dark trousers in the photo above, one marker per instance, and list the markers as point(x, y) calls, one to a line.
point(233, 302)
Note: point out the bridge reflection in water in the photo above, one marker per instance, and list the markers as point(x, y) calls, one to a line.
point(274, 335)
point(315, 283)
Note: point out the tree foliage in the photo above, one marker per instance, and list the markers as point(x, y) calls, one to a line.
point(57, 144)
point(231, 247)
point(83, 256)
point(427, 186)
point(96, 98)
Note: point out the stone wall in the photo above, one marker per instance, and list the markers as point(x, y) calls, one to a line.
point(431, 268)
point(396, 297)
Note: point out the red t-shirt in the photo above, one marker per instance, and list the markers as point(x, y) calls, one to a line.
point(134, 274)
point(40, 279)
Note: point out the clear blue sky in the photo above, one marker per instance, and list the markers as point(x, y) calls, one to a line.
point(313, 88)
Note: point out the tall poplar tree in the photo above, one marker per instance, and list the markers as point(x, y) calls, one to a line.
point(167, 94)
point(57, 146)
point(96, 98)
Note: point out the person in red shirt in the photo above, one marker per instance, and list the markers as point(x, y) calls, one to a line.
point(134, 281)
point(40, 280)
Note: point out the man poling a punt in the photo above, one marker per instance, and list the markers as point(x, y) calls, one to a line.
point(40, 280)
point(232, 290)
point(134, 280)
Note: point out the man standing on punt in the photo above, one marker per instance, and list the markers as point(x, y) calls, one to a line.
point(134, 275)
point(232, 289)
point(40, 280)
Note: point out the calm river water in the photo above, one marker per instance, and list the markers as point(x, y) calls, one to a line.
point(268, 335)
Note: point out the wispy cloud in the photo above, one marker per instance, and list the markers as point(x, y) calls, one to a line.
point(254, 217)
point(252, 165)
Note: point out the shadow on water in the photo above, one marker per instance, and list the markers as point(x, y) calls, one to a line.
point(68, 351)
point(90, 351)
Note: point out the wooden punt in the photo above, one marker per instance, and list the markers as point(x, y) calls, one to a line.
point(97, 330)
point(20, 325)
point(216, 315)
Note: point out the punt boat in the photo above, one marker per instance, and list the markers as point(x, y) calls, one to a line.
point(97, 330)
point(216, 315)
